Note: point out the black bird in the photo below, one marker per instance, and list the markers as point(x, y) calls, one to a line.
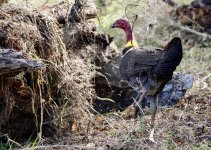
point(147, 69)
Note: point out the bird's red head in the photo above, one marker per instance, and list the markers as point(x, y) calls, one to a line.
point(125, 25)
point(122, 24)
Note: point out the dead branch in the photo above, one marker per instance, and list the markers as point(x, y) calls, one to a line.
point(13, 61)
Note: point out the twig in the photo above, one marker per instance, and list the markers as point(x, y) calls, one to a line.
point(204, 35)
point(103, 117)
point(127, 7)
point(68, 11)
point(45, 3)
point(16, 143)
point(104, 76)
point(41, 109)
point(205, 78)
point(105, 99)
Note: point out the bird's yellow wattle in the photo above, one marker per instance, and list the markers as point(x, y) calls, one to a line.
point(132, 43)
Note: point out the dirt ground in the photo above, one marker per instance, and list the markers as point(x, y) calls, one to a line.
point(187, 125)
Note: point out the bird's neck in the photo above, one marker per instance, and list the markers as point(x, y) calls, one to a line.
point(129, 34)
point(130, 39)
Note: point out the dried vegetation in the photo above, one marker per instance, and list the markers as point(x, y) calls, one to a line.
point(47, 101)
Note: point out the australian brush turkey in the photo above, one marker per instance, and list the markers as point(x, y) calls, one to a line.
point(147, 69)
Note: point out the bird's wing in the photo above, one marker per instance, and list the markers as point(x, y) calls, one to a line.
point(138, 60)
point(170, 58)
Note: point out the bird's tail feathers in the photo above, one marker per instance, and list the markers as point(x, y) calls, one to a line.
point(172, 56)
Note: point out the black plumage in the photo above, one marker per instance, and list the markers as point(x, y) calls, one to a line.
point(148, 70)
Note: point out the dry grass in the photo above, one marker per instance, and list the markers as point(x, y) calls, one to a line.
point(60, 93)
point(183, 126)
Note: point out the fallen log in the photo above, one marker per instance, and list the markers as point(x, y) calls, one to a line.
point(15, 61)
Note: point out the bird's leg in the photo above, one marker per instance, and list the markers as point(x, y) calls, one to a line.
point(138, 105)
point(153, 109)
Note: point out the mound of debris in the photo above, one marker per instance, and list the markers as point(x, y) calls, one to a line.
point(51, 87)
point(197, 15)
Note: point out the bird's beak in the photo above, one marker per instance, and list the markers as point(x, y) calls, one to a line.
point(113, 26)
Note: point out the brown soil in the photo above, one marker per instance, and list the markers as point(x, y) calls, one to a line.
point(187, 125)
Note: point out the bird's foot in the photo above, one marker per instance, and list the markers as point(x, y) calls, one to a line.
point(137, 111)
point(151, 135)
